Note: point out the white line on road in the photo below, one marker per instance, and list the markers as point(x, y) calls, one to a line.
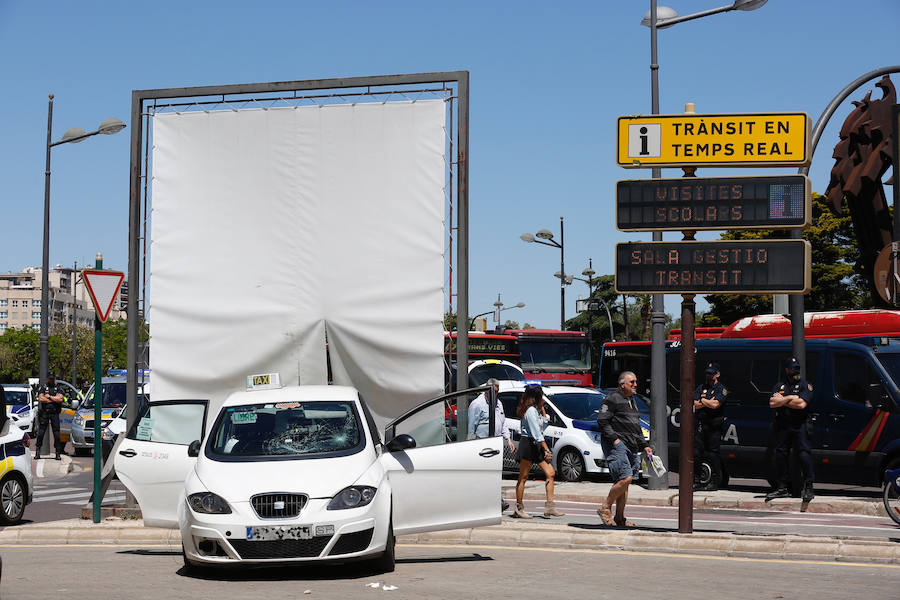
point(64, 497)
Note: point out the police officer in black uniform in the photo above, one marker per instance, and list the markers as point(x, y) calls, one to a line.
point(791, 403)
point(50, 400)
point(709, 419)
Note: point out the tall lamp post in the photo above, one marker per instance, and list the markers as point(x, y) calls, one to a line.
point(74, 135)
point(663, 17)
point(547, 236)
point(498, 306)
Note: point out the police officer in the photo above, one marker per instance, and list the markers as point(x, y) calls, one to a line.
point(50, 402)
point(791, 403)
point(709, 417)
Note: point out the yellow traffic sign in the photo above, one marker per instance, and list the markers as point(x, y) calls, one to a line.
point(713, 140)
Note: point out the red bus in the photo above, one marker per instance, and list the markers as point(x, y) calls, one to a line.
point(554, 357)
point(635, 356)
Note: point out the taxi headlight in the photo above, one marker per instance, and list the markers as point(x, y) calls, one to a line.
point(107, 434)
point(79, 420)
point(209, 503)
point(352, 497)
point(595, 436)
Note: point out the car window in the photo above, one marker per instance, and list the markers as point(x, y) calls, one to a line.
point(169, 424)
point(16, 398)
point(582, 406)
point(510, 401)
point(433, 423)
point(555, 419)
point(852, 376)
point(286, 429)
point(480, 374)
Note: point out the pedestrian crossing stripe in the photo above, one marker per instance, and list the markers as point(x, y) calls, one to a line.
point(868, 437)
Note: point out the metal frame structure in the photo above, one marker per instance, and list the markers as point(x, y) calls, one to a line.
point(452, 86)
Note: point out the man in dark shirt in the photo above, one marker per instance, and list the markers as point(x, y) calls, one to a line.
point(622, 440)
point(709, 417)
point(50, 400)
point(791, 403)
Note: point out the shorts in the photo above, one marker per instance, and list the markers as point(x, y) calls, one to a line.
point(621, 461)
point(530, 450)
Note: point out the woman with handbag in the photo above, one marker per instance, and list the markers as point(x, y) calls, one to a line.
point(533, 449)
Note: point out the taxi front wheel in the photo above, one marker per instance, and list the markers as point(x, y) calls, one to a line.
point(12, 499)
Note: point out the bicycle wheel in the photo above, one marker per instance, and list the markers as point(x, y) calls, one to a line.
point(892, 502)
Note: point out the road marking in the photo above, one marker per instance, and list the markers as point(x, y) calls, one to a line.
point(70, 496)
point(45, 491)
point(703, 557)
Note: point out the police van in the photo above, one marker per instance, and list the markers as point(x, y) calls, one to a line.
point(852, 363)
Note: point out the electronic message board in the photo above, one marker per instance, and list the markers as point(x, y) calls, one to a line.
point(713, 140)
point(713, 267)
point(694, 203)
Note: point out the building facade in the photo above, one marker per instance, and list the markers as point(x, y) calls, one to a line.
point(20, 300)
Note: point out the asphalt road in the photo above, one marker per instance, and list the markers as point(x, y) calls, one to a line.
point(455, 572)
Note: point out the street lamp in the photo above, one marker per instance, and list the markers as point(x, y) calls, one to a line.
point(547, 235)
point(660, 18)
point(74, 135)
point(498, 306)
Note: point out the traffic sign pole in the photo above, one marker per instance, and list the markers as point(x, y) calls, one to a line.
point(98, 402)
point(103, 288)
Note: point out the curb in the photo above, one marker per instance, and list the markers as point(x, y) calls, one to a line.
point(519, 535)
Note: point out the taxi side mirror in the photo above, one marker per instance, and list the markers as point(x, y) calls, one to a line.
point(194, 449)
point(76, 404)
point(404, 441)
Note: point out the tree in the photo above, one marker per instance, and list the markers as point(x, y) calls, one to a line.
point(836, 284)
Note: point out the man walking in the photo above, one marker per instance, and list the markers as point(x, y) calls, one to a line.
point(791, 403)
point(50, 402)
point(622, 439)
point(709, 416)
point(479, 423)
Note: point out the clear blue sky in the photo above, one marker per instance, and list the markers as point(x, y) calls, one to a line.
point(547, 83)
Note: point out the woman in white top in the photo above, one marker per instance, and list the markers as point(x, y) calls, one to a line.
point(533, 449)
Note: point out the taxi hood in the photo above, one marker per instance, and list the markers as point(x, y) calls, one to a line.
point(237, 481)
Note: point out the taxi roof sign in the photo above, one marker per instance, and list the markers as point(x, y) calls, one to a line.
point(103, 288)
point(713, 140)
point(263, 381)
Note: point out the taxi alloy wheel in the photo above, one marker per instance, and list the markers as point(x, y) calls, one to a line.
point(12, 500)
point(571, 465)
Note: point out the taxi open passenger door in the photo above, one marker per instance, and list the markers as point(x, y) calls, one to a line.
point(152, 461)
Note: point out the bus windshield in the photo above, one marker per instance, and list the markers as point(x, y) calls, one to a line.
point(555, 354)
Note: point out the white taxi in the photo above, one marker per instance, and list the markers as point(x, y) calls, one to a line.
point(300, 474)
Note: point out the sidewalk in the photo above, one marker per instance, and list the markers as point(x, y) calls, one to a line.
point(593, 492)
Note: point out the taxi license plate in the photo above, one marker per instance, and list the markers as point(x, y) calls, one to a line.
point(303, 532)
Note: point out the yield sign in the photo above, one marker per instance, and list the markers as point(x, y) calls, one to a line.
point(103, 286)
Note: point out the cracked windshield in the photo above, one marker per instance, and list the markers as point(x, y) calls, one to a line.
point(287, 429)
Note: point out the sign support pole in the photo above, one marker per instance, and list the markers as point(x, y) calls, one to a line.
point(98, 404)
point(686, 418)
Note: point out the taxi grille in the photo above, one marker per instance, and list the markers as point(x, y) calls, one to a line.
point(275, 549)
point(278, 506)
point(88, 424)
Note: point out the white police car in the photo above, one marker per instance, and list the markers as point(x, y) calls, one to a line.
point(16, 482)
point(572, 434)
point(20, 406)
point(299, 474)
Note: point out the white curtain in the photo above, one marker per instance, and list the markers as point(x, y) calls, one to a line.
point(272, 227)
